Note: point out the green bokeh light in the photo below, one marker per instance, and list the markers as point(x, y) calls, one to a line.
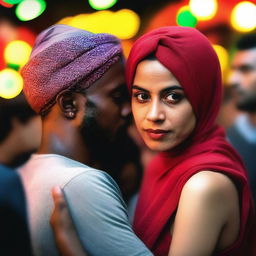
point(12, 1)
point(30, 9)
point(186, 19)
point(101, 4)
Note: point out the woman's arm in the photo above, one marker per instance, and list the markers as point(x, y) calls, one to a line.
point(203, 223)
point(66, 237)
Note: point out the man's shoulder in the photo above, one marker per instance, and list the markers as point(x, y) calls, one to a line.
point(91, 178)
point(59, 170)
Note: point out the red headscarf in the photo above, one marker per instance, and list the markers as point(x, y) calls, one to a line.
point(189, 56)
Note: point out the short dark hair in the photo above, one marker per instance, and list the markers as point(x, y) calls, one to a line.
point(246, 42)
point(13, 108)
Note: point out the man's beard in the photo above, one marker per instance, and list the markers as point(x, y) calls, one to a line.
point(247, 103)
point(101, 143)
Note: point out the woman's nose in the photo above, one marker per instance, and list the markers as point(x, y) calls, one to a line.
point(155, 112)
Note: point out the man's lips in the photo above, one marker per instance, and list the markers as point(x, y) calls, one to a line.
point(157, 133)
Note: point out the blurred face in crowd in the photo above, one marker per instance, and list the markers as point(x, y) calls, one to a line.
point(243, 79)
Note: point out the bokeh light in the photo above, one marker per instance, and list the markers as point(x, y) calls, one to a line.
point(17, 53)
point(243, 16)
point(102, 4)
point(203, 9)
point(12, 1)
point(222, 55)
point(11, 83)
point(4, 4)
point(185, 17)
point(124, 23)
point(30, 9)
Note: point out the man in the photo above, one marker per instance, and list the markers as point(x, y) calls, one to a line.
point(74, 79)
point(242, 134)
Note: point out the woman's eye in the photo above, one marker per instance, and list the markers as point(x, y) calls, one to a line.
point(173, 98)
point(141, 97)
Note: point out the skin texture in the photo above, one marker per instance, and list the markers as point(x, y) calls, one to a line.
point(159, 103)
point(207, 219)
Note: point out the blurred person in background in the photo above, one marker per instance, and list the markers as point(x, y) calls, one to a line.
point(14, 235)
point(242, 134)
point(20, 133)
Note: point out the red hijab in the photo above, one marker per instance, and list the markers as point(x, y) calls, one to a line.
point(190, 57)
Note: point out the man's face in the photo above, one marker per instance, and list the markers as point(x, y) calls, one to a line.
point(243, 79)
point(107, 108)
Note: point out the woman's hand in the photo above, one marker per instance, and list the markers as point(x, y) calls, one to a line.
point(65, 234)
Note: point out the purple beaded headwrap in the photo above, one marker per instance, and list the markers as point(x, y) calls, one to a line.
point(64, 56)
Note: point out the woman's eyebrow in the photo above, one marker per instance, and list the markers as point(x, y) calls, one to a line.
point(139, 88)
point(171, 88)
point(167, 89)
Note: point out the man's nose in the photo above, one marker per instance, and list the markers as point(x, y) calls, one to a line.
point(126, 109)
point(234, 79)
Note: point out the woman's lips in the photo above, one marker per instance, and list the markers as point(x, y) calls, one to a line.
point(156, 134)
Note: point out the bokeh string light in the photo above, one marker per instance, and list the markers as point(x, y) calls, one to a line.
point(185, 17)
point(4, 4)
point(12, 1)
point(203, 9)
point(101, 4)
point(223, 58)
point(243, 16)
point(124, 23)
point(17, 53)
point(30, 9)
point(11, 83)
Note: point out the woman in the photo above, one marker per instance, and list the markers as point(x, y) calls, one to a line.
point(195, 198)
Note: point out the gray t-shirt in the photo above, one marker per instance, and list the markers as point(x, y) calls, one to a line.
point(95, 203)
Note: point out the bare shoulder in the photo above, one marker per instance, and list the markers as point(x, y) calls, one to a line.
point(207, 216)
point(210, 185)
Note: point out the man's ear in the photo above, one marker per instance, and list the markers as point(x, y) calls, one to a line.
point(68, 104)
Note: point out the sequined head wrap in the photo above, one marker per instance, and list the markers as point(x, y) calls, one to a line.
point(64, 56)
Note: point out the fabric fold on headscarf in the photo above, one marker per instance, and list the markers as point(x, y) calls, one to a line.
point(189, 56)
point(64, 56)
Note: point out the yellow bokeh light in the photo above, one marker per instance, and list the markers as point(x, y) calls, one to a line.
point(11, 83)
point(223, 58)
point(243, 16)
point(17, 52)
point(203, 9)
point(124, 23)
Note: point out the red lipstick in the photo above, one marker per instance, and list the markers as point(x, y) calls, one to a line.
point(156, 134)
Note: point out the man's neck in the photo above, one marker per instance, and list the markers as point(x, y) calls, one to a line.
point(70, 146)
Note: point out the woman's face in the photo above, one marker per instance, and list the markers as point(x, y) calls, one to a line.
point(163, 115)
